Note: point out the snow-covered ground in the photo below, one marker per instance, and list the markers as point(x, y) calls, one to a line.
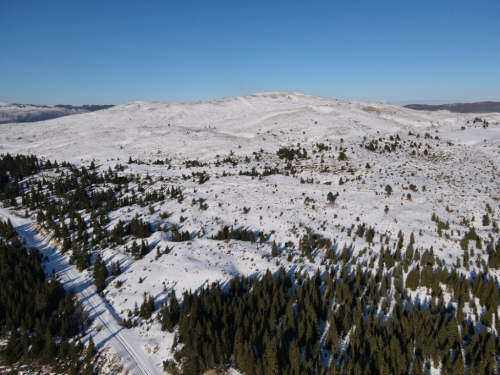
point(448, 163)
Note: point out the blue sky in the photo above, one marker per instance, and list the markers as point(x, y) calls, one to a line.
point(116, 51)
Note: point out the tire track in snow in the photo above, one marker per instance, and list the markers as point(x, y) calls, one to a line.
point(135, 361)
point(90, 299)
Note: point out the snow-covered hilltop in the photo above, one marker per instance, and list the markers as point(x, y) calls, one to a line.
point(283, 172)
point(151, 130)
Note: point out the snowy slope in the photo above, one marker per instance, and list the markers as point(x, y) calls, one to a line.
point(150, 130)
point(451, 162)
point(155, 130)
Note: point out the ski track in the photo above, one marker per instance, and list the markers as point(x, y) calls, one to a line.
point(110, 333)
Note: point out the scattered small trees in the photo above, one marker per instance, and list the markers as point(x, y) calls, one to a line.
point(147, 306)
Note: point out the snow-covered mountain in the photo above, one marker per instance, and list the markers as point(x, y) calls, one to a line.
point(478, 107)
point(151, 130)
point(267, 163)
point(11, 112)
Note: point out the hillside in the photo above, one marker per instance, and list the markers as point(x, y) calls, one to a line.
point(355, 195)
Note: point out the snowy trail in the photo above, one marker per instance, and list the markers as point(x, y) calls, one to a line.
point(111, 334)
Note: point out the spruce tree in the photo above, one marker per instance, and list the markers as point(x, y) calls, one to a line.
point(274, 250)
point(100, 274)
point(91, 350)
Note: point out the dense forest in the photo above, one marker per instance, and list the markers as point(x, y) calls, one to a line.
point(332, 324)
point(42, 320)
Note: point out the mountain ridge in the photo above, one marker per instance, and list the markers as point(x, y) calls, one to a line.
point(476, 107)
point(21, 113)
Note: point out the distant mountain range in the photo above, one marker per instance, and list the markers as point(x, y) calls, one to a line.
point(12, 112)
point(479, 107)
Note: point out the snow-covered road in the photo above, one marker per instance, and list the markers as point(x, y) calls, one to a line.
point(121, 341)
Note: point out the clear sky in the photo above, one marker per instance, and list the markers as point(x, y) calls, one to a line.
point(116, 51)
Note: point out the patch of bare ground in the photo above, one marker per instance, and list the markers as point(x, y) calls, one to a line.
point(108, 364)
point(369, 108)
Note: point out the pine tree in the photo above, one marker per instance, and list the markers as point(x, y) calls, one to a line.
point(135, 249)
point(274, 250)
point(100, 274)
point(116, 270)
point(144, 249)
point(50, 348)
point(486, 220)
point(91, 350)
point(271, 358)
point(369, 235)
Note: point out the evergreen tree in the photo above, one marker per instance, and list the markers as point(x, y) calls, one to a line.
point(100, 274)
point(274, 250)
point(369, 235)
point(91, 350)
point(486, 220)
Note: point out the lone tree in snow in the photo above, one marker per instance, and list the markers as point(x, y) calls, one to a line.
point(388, 189)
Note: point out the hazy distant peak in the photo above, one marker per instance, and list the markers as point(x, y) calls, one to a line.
point(478, 107)
point(13, 112)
